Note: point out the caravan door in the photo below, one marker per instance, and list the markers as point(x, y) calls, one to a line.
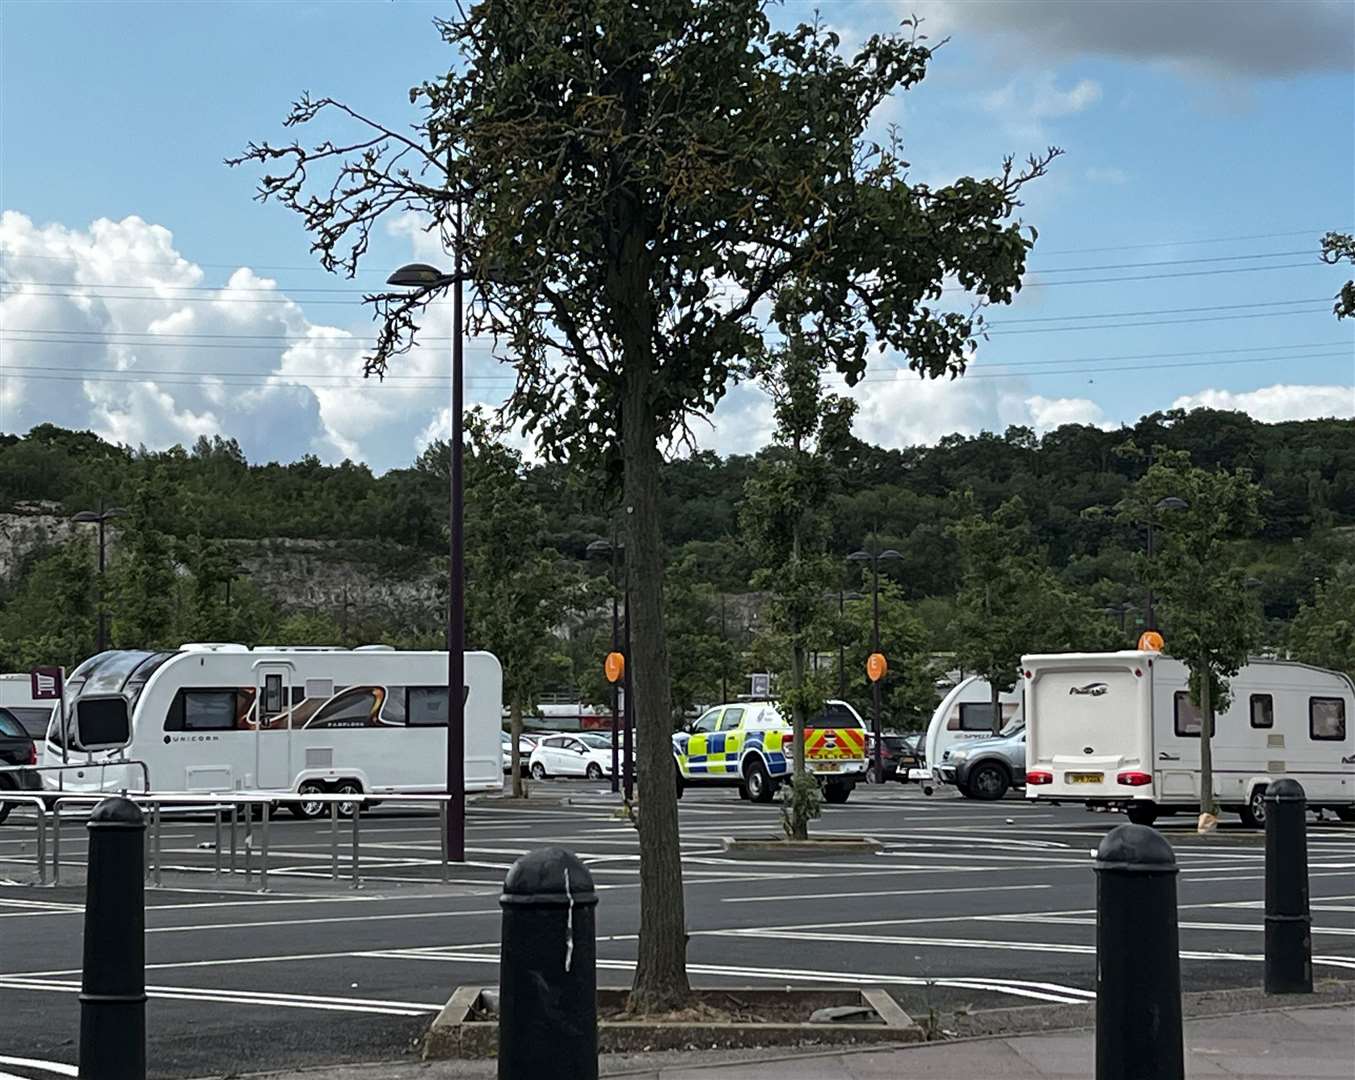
point(273, 725)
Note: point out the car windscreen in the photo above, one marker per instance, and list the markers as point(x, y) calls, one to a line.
point(10, 726)
point(834, 716)
point(1014, 726)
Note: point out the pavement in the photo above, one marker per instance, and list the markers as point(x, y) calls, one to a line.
point(969, 906)
point(1303, 1043)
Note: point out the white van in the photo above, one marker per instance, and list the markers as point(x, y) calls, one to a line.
point(1118, 729)
point(224, 717)
point(16, 695)
point(965, 715)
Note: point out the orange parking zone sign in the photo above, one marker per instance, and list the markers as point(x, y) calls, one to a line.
point(876, 668)
point(615, 666)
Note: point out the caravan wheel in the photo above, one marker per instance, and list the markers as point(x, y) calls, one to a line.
point(348, 787)
point(307, 810)
point(1254, 813)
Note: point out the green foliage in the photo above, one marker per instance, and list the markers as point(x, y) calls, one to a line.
point(1338, 247)
point(517, 594)
point(307, 628)
point(1010, 602)
point(703, 659)
point(146, 591)
point(1323, 631)
point(50, 617)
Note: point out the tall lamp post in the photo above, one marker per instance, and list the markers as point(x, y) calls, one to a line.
point(100, 517)
point(427, 279)
point(842, 597)
point(1171, 502)
point(607, 549)
point(874, 559)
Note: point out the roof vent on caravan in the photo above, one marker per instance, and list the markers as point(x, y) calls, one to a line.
point(375, 648)
point(213, 646)
point(298, 648)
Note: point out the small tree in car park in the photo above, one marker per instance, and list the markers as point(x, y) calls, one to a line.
point(651, 188)
point(517, 594)
point(785, 517)
point(1209, 618)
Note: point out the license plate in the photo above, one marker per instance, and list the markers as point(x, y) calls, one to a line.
point(1085, 777)
point(826, 766)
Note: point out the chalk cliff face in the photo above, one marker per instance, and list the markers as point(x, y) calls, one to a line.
point(322, 576)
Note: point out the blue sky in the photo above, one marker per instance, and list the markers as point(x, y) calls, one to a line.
point(1214, 142)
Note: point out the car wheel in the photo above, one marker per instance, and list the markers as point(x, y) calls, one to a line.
point(757, 781)
point(348, 787)
point(837, 793)
point(1254, 813)
point(678, 787)
point(538, 771)
point(1141, 813)
point(988, 782)
point(309, 811)
point(594, 771)
point(5, 808)
point(872, 775)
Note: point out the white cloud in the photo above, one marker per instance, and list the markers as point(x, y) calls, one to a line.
point(1271, 404)
point(84, 310)
point(1049, 413)
point(1265, 38)
point(1027, 102)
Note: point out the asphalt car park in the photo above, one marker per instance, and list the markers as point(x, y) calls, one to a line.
point(990, 904)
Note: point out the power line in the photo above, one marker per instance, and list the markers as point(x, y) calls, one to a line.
point(1190, 243)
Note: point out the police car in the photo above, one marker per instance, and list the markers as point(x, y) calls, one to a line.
point(750, 745)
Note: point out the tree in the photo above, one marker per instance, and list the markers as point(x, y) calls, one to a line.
point(1209, 619)
point(50, 618)
point(703, 658)
point(146, 586)
point(908, 690)
point(1337, 247)
point(651, 187)
point(1323, 632)
point(1011, 603)
point(517, 595)
point(785, 516)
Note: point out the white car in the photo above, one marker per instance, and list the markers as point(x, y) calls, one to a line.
point(568, 755)
point(525, 746)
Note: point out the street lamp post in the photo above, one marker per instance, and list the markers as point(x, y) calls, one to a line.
point(874, 559)
point(427, 279)
point(100, 517)
point(842, 597)
point(1171, 502)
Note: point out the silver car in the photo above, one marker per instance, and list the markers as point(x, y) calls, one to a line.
point(987, 769)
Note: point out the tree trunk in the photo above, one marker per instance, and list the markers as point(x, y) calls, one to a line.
point(1207, 804)
point(515, 735)
point(995, 698)
point(661, 971)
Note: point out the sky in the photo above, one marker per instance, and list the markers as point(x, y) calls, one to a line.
point(146, 295)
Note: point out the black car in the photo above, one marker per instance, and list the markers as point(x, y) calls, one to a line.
point(16, 748)
point(898, 754)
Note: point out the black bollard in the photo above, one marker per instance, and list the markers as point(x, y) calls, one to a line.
point(1289, 923)
point(548, 1011)
point(1138, 964)
point(113, 989)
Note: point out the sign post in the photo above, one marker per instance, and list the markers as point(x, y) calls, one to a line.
point(876, 669)
point(49, 684)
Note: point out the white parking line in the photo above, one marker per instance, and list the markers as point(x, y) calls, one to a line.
point(57, 1067)
point(879, 892)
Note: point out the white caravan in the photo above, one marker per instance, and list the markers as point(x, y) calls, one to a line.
point(222, 717)
point(965, 715)
point(1118, 729)
point(16, 695)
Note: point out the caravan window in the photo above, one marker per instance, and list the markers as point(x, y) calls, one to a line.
point(974, 716)
point(427, 706)
point(1187, 716)
point(202, 710)
point(1326, 718)
point(1262, 711)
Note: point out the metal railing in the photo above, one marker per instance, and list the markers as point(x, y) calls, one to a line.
point(222, 806)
